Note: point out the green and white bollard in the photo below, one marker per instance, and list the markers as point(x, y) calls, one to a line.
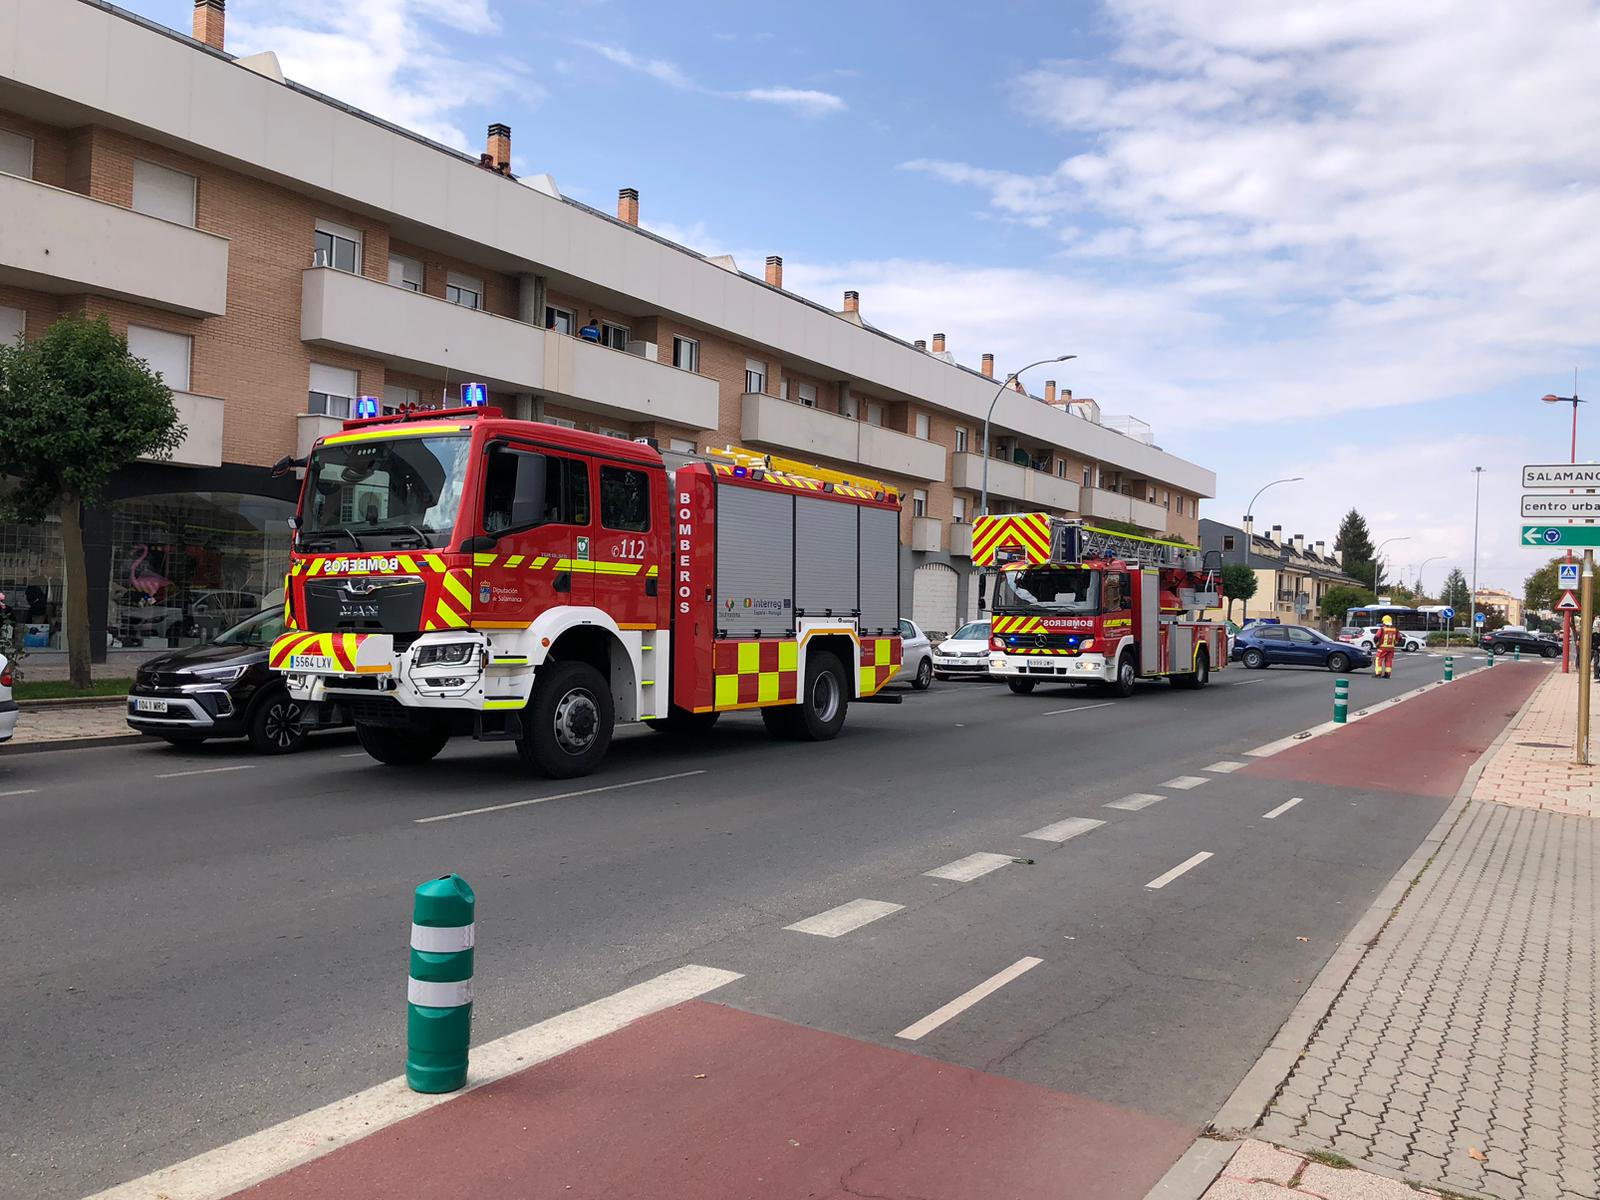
point(439, 992)
point(1516, 654)
point(1491, 656)
point(1449, 668)
point(1341, 701)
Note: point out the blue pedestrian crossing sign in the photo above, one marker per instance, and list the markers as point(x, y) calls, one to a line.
point(1567, 575)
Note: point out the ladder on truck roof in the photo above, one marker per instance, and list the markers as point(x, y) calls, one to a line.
point(1073, 541)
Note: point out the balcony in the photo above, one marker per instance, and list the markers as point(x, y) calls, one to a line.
point(309, 427)
point(201, 417)
point(427, 335)
point(53, 240)
point(1015, 482)
point(1113, 506)
point(782, 425)
point(927, 534)
point(960, 540)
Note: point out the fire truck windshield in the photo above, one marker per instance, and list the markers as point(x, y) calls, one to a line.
point(386, 493)
point(1061, 590)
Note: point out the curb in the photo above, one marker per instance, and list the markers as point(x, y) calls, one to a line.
point(84, 743)
point(1200, 1165)
point(71, 702)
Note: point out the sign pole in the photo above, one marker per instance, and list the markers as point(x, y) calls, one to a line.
point(1585, 654)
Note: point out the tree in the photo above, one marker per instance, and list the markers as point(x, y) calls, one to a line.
point(1540, 591)
point(1238, 583)
point(1354, 546)
point(75, 407)
point(1340, 599)
point(1456, 594)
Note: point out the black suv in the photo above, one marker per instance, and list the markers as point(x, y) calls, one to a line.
point(1504, 641)
point(222, 689)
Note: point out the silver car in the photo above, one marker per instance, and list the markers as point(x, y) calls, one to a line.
point(916, 656)
point(965, 653)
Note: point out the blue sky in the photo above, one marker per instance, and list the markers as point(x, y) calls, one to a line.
point(1344, 239)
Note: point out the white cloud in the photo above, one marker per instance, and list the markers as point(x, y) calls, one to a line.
point(387, 57)
point(806, 102)
point(658, 69)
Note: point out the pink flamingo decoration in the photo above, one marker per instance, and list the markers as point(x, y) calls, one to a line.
point(142, 580)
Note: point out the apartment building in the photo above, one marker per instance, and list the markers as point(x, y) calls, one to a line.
point(1506, 605)
point(1292, 576)
point(278, 255)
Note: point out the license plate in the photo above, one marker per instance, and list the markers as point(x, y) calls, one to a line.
point(311, 662)
point(142, 704)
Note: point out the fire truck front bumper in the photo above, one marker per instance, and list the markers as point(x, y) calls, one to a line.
point(445, 670)
point(1064, 668)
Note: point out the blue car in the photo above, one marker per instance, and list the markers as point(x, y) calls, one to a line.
point(1295, 646)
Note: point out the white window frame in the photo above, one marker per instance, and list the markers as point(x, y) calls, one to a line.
point(686, 354)
point(919, 502)
point(609, 331)
point(333, 402)
point(680, 445)
point(1061, 468)
point(554, 314)
point(806, 394)
point(406, 272)
point(874, 413)
point(923, 426)
point(13, 325)
point(603, 431)
point(396, 396)
point(338, 232)
point(465, 290)
point(849, 406)
point(561, 422)
point(783, 389)
point(175, 349)
point(1087, 476)
point(156, 175)
point(21, 145)
point(961, 439)
point(755, 377)
point(958, 510)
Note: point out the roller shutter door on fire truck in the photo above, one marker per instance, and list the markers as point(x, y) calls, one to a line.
point(825, 558)
point(879, 562)
point(755, 563)
point(933, 599)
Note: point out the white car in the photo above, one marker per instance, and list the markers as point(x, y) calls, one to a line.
point(916, 656)
point(964, 653)
point(8, 706)
point(1367, 637)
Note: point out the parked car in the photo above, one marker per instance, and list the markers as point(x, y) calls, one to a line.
point(221, 689)
point(1366, 636)
point(916, 656)
point(201, 614)
point(1511, 637)
point(8, 706)
point(1298, 646)
point(964, 654)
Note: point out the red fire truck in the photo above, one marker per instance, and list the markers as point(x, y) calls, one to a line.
point(455, 572)
point(1077, 604)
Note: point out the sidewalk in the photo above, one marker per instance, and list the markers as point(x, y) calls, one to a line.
point(1462, 1052)
point(60, 727)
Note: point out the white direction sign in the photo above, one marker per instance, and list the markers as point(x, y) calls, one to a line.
point(1552, 508)
point(1567, 576)
point(1567, 603)
point(1561, 475)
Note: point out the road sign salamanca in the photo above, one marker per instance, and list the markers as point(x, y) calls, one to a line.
point(1561, 535)
point(1561, 475)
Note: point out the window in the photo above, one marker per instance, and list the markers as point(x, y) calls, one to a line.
point(562, 320)
point(616, 433)
point(921, 426)
point(337, 246)
point(1273, 633)
point(783, 389)
point(396, 398)
point(807, 394)
point(165, 352)
point(919, 503)
point(1086, 482)
point(331, 390)
point(755, 376)
point(615, 336)
point(1166, 500)
point(522, 489)
point(405, 272)
point(1061, 468)
point(16, 154)
point(680, 445)
point(847, 402)
point(874, 413)
point(624, 499)
point(1303, 636)
point(162, 192)
point(464, 290)
point(961, 439)
point(1228, 542)
point(13, 323)
point(686, 354)
point(561, 422)
point(958, 510)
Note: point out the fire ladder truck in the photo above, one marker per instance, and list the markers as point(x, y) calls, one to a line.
point(1077, 604)
point(458, 573)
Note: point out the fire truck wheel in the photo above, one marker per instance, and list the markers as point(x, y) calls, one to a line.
point(400, 747)
point(819, 715)
point(683, 723)
point(1126, 674)
point(1022, 687)
point(567, 725)
point(1198, 678)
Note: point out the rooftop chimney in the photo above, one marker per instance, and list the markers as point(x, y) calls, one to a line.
point(208, 22)
point(852, 302)
point(1277, 534)
point(988, 365)
point(499, 147)
point(1249, 527)
point(628, 205)
point(775, 270)
point(921, 344)
point(938, 343)
point(1049, 391)
point(1321, 553)
point(1300, 542)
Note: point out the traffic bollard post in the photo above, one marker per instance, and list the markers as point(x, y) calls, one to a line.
point(1341, 700)
point(439, 991)
point(1449, 668)
point(1516, 654)
point(1491, 656)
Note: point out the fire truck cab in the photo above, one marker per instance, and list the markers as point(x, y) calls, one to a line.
point(1075, 604)
point(458, 573)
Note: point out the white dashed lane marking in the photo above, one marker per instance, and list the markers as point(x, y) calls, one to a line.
point(1188, 864)
point(965, 870)
point(610, 787)
point(1184, 782)
point(1063, 831)
point(1226, 766)
point(207, 771)
point(966, 1000)
point(1281, 809)
point(1135, 802)
point(837, 922)
point(1080, 708)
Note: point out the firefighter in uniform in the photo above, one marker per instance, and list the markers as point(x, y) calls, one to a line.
point(1383, 649)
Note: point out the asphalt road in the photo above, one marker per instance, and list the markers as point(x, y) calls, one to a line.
point(200, 943)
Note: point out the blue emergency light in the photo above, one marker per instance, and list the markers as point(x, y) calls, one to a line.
point(367, 406)
point(474, 395)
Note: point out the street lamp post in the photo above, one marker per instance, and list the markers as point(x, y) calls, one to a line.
point(983, 503)
point(1566, 617)
point(1249, 533)
point(1477, 492)
point(1424, 567)
point(1377, 560)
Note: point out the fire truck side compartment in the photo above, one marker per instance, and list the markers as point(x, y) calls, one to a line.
point(825, 556)
point(755, 563)
point(880, 570)
point(1149, 618)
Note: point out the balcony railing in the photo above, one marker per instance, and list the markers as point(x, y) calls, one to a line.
point(1013, 482)
point(201, 417)
point(1114, 506)
point(961, 540)
point(786, 426)
point(927, 534)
